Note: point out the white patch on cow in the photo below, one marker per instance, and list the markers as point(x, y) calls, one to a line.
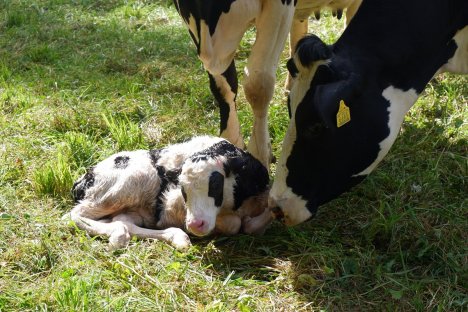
point(293, 206)
point(400, 102)
point(459, 62)
point(192, 25)
point(217, 51)
point(301, 83)
point(280, 192)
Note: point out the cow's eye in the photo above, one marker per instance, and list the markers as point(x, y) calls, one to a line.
point(184, 195)
point(313, 130)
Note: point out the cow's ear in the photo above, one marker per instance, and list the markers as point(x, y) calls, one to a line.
point(333, 101)
point(311, 49)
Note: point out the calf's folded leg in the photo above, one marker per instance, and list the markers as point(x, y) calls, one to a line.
point(174, 236)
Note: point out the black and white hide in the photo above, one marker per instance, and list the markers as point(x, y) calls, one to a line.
point(217, 28)
point(348, 100)
point(203, 185)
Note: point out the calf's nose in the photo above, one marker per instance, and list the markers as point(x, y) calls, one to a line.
point(196, 226)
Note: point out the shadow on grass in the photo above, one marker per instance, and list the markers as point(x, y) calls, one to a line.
point(390, 241)
point(394, 240)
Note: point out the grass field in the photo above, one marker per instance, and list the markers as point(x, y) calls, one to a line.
point(81, 79)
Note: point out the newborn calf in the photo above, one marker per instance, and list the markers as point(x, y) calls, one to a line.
point(203, 185)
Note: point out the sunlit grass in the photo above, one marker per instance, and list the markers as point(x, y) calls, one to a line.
point(80, 80)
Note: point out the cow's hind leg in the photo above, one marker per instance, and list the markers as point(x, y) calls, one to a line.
point(224, 89)
point(273, 24)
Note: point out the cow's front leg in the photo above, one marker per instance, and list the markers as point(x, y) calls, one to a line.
point(273, 24)
point(224, 89)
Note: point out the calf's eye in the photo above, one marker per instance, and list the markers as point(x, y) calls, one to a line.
point(215, 187)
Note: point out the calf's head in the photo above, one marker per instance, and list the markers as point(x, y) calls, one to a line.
point(341, 127)
point(218, 179)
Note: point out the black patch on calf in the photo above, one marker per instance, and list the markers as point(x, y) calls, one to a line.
point(216, 187)
point(173, 175)
point(166, 178)
point(223, 148)
point(154, 155)
point(121, 162)
point(79, 187)
point(251, 177)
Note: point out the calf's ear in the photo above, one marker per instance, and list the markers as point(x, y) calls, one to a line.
point(333, 101)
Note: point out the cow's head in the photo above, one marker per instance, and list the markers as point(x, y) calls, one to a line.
point(341, 126)
point(218, 179)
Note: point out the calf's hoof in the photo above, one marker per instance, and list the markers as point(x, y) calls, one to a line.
point(178, 238)
point(119, 238)
point(251, 226)
point(257, 225)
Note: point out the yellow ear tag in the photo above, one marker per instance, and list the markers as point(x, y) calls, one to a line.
point(343, 116)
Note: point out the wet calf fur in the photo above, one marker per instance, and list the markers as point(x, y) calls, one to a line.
point(204, 185)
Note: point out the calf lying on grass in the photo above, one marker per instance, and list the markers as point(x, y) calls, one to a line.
point(204, 185)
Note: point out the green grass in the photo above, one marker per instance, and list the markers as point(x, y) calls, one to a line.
point(80, 80)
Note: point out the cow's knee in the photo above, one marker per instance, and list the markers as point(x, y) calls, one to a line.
point(258, 89)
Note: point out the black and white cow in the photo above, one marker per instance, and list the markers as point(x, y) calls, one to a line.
point(217, 27)
point(201, 185)
point(348, 100)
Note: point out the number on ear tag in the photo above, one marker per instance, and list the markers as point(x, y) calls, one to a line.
point(343, 116)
